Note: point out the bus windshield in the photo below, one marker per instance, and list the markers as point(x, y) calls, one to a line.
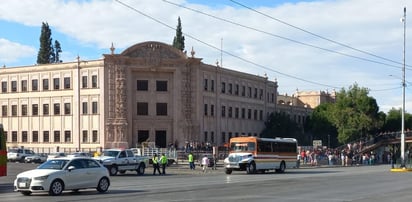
point(242, 146)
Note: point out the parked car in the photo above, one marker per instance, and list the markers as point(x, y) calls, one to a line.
point(36, 158)
point(60, 174)
point(18, 154)
point(56, 155)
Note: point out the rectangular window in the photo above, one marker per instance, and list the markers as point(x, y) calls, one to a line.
point(261, 115)
point(206, 138)
point(249, 92)
point(205, 109)
point(212, 110)
point(94, 81)
point(24, 110)
point(223, 111)
point(84, 108)
point(249, 113)
point(45, 84)
point(243, 91)
point(161, 85)
point(94, 107)
point(67, 109)
point(34, 85)
point(212, 137)
point(4, 86)
point(205, 85)
point(14, 110)
point(243, 113)
point(273, 98)
point(236, 112)
point(256, 92)
point(66, 82)
point(85, 138)
point(161, 109)
point(223, 87)
point(142, 85)
point(56, 108)
point(45, 109)
point(143, 108)
point(35, 136)
point(23, 85)
point(4, 110)
point(237, 89)
point(255, 114)
point(261, 94)
point(24, 137)
point(223, 137)
point(46, 136)
point(13, 136)
point(84, 81)
point(230, 88)
point(95, 137)
point(229, 112)
point(13, 86)
point(56, 136)
point(56, 83)
point(212, 85)
point(67, 136)
point(35, 109)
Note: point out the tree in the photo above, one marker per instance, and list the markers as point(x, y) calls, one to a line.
point(47, 52)
point(179, 39)
point(393, 121)
point(320, 127)
point(280, 125)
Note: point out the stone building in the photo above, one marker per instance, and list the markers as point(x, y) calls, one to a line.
point(151, 92)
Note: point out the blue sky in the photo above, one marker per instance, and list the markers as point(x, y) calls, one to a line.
point(297, 60)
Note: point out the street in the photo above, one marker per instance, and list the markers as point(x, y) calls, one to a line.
point(363, 184)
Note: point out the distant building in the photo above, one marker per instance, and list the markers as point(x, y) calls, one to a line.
point(151, 92)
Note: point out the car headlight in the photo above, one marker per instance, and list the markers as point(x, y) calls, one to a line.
point(41, 178)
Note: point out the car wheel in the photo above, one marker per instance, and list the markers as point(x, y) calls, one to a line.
point(282, 168)
point(251, 168)
point(26, 193)
point(228, 171)
point(103, 185)
point(113, 170)
point(140, 170)
point(56, 188)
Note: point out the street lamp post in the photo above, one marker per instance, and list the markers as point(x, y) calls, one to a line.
point(403, 92)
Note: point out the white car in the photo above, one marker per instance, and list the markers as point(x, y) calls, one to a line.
point(60, 174)
point(36, 158)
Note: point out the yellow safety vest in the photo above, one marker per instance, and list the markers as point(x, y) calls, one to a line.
point(155, 161)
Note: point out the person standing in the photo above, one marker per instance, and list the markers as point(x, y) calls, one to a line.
point(163, 162)
point(191, 161)
point(155, 161)
point(205, 163)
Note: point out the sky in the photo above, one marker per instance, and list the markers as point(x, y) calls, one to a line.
point(312, 45)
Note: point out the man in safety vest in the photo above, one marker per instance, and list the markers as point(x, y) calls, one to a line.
point(191, 161)
point(155, 161)
point(163, 162)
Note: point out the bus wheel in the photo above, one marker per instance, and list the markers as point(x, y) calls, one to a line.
point(282, 168)
point(228, 171)
point(251, 168)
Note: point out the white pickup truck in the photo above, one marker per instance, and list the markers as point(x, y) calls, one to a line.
point(122, 160)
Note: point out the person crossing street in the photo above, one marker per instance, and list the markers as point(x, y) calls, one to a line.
point(163, 162)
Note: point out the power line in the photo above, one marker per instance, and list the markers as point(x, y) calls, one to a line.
point(286, 38)
point(219, 49)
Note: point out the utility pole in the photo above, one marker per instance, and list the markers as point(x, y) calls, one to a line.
point(403, 92)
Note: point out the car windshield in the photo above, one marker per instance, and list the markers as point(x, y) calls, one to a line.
point(110, 153)
point(54, 164)
point(15, 151)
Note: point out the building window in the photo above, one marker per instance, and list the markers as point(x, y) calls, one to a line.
point(206, 138)
point(84, 81)
point(24, 110)
point(230, 88)
point(56, 108)
point(35, 136)
point(249, 113)
point(142, 108)
point(237, 89)
point(13, 136)
point(94, 107)
point(261, 115)
point(23, 85)
point(46, 136)
point(4, 86)
point(212, 137)
point(66, 82)
point(84, 137)
point(261, 94)
point(4, 110)
point(249, 91)
point(67, 109)
point(14, 110)
point(243, 91)
point(212, 85)
point(56, 136)
point(84, 107)
point(94, 81)
point(56, 83)
point(256, 92)
point(243, 113)
point(45, 109)
point(161, 109)
point(35, 109)
point(236, 112)
point(95, 137)
point(142, 85)
point(13, 86)
point(205, 84)
point(223, 111)
point(161, 85)
point(223, 137)
point(34, 85)
point(255, 114)
point(212, 110)
point(223, 87)
point(229, 112)
point(24, 137)
point(67, 136)
point(45, 84)
point(273, 98)
point(205, 109)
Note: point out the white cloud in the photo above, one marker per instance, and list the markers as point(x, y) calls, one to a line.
point(12, 51)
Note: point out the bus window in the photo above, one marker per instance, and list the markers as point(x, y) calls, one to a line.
point(242, 146)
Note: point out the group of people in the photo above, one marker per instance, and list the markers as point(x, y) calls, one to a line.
point(157, 162)
point(205, 162)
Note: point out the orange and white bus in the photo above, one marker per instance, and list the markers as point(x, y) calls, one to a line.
point(254, 154)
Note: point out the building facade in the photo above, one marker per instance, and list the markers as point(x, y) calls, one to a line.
point(151, 92)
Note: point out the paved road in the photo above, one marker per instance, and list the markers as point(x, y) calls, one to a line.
point(361, 184)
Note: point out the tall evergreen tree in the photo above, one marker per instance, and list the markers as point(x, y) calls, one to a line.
point(179, 39)
point(46, 52)
point(57, 51)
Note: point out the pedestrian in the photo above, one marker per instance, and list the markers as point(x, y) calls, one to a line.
point(205, 163)
point(155, 161)
point(163, 162)
point(191, 161)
